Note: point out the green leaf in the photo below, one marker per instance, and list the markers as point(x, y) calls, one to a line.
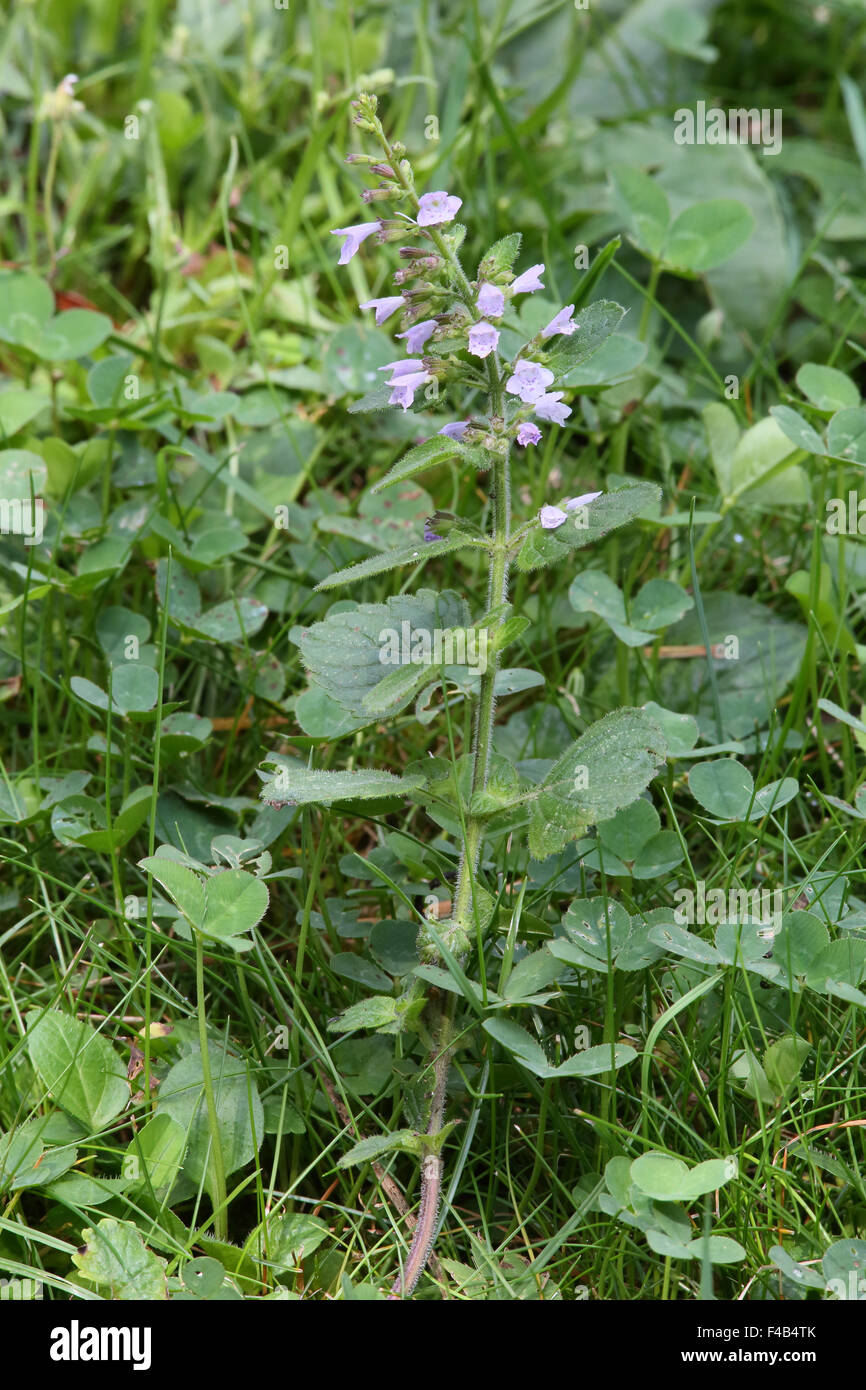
point(719, 1250)
point(587, 525)
point(593, 1061)
point(592, 327)
point(660, 1176)
point(75, 333)
point(723, 787)
point(378, 1012)
point(154, 1156)
point(499, 259)
point(535, 972)
point(427, 455)
point(706, 234)
point(289, 1238)
point(78, 1067)
point(846, 436)
point(294, 784)
point(607, 768)
point(519, 1043)
point(418, 554)
point(18, 408)
point(798, 430)
point(350, 653)
point(134, 688)
point(797, 1273)
point(234, 902)
point(405, 1140)
point(756, 461)
point(239, 1112)
point(644, 204)
point(115, 1257)
point(827, 387)
point(184, 887)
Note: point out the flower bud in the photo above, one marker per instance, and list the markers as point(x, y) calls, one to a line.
point(383, 170)
point(375, 195)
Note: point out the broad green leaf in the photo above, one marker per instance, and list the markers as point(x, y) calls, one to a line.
point(660, 1176)
point(234, 902)
point(18, 408)
point(592, 327)
point(802, 938)
point(827, 387)
point(351, 652)
point(293, 783)
point(378, 1012)
point(78, 1067)
point(798, 430)
point(153, 1156)
point(719, 1250)
point(406, 1140)
point(114, 1257)
point(500, 257)
point(535, 972)
point(783, 1062)
point(607, 768)
point(427, 455)
point(134, 688)
point(757, 463)
point(846, 1260)
point(593, 1061)
point(587, 525)
point(723, 787)
point(707, 234)
point(239, 1112)
point(184, 888)
point(797, 1273)
point(419, 554)
point(290, 1237)
point(846, 435)
point(644, 204)
point(684, 943)
point(519, 1043)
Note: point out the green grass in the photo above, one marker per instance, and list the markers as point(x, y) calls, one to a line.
point(199, 224)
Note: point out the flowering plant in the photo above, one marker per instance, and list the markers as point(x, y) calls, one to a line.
point(454, 329)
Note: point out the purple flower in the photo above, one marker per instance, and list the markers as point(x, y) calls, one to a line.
point(354, 236)
point(583, 501)
point(550, 407)
point(402, 366)
point(483, 338)
point(436, 208)
point(418, 334)
point(528, 434)
point(529, 281)
point(491, 301)
point(429, 533)
point(404, 388)
point(385, 307)
point(529, 381)
point(406, 376)
point(455, 430)
point(561, 323)
point(551, 517)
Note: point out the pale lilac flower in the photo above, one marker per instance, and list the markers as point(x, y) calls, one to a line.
point(436, 208)
point(402, 366)
point(551, 517)
point(354, 236)
point(528, 282)
point(418, 334)
point(406, 376)
point(455, 430)
point(561, 323)
point(528, 434)
point(483, 338)
point(491, 301)
point(385, 307)
point(583, 501)
point(529, 381)
point(429, 533)
point(550, 407)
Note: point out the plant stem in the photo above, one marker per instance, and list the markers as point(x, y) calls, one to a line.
point(431, 1164)
point(218, 1196)
point(461, 913)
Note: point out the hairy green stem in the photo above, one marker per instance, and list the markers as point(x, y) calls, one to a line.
point(218, 1196)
